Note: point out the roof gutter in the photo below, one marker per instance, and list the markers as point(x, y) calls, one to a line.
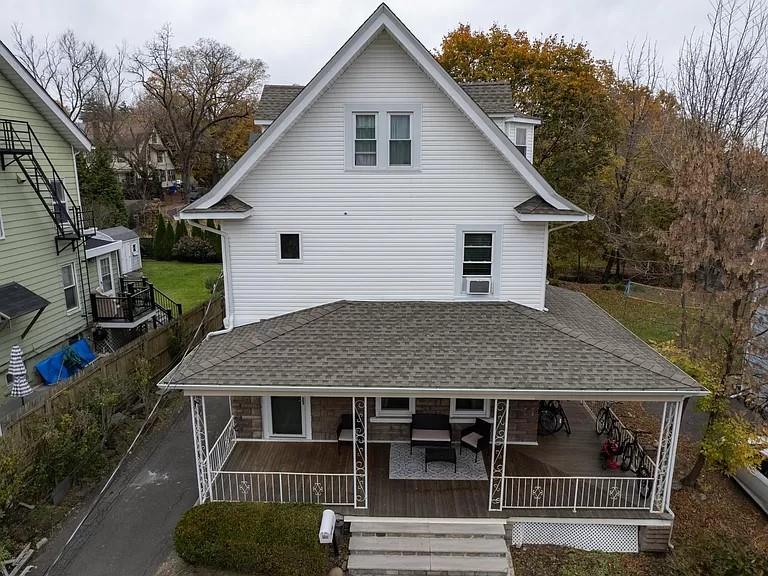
point(229, 318)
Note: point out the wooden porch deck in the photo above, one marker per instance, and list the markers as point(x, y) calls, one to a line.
point(555, 456)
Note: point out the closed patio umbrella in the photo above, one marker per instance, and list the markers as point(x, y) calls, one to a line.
point(19, 383)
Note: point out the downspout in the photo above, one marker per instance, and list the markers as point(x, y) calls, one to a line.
point(229, 318)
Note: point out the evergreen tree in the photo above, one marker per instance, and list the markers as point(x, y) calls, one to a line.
point(181, 231)
point(100, 189)
point(160, 243)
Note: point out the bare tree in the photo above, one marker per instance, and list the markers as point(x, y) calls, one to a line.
point(104, 112)
point(198, 87)
point(719, 193)
point(66, 67)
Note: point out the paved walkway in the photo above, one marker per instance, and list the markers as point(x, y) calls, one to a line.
point(130, 533)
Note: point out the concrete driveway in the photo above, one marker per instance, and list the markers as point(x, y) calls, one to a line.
point(130, 532)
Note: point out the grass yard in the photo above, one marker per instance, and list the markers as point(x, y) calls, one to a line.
point(651, 321)
point(182, 281)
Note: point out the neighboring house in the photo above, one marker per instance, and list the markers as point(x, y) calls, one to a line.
point(43, 290)
point(52, 262)
point(385, 255)
point(145, 149)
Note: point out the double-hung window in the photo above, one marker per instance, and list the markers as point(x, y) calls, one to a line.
point(478, 254)
point(365, 139)
point(69, 280)
point(521, 138)
point(399, 139)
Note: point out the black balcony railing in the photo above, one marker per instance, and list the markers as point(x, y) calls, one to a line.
point(136, 299)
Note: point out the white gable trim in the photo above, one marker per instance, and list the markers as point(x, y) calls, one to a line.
point(17, 74)
point(382, 19)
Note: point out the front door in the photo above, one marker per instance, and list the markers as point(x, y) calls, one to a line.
point(288, 415)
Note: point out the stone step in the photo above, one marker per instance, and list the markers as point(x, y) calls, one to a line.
point(426, 529)
point(388, 564)
point(425, 545)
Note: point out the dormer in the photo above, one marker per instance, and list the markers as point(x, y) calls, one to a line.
point(496, 100)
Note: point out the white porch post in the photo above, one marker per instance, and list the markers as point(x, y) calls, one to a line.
point(498, 455)
point(360, 450)
point(200, 436)
point(665, 456)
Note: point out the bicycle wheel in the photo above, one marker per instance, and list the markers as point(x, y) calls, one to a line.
point(638, 458)
point(614, 435)
point(645, 485)
point(601, 422)
point(549, 422)
point(627, 456)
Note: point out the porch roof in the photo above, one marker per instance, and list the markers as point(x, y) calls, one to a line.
point(574, 348)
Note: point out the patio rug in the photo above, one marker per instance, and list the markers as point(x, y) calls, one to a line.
point(404, 466)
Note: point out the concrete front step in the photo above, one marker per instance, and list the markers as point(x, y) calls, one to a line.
point(427, 529)
point(422, 565)
point(418, 544)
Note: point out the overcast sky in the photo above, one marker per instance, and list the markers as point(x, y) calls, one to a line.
point(296, 38)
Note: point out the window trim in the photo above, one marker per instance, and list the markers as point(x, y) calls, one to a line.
point(108, 258)
point(496, 263)
point(2, 226)
point(280, 258)
point(74, 285)
point(382, 110)
point(383, 413)
point(409, 115)
point(470, 413)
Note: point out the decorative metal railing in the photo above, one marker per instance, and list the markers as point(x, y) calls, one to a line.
point(222, 447)
point(577, 492)
point(327, 489)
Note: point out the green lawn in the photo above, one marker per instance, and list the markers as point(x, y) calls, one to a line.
point(182, 281)
point(651, 321)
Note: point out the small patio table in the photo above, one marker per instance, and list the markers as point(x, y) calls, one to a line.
point(440, 454)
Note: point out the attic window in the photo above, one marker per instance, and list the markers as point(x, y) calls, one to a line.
point(290, 247)
point(365, 139)
point(521, 135)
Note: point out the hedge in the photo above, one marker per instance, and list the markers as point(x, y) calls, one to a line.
point(263, 539)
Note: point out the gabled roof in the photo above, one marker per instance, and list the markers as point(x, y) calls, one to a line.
point(381, 19)
point(23, 81)
point(573, 349)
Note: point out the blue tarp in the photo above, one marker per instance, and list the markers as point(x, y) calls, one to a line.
point(52, 369)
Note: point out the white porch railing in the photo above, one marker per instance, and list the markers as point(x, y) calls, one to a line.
point(222, 448)
point(577, 492)
point(328, 489)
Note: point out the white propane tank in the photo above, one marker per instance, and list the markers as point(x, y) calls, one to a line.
point(327, 526)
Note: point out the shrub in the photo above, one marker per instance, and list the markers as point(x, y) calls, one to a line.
point(263, 539)
point(191, 249)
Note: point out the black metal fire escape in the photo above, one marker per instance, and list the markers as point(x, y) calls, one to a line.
point(20, 146)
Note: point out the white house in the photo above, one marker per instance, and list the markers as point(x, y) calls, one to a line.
point(390, 333)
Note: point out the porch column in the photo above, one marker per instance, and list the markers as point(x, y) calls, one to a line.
point(498, 455)
point(200, 437)
point(665, 456)
point(360, 450)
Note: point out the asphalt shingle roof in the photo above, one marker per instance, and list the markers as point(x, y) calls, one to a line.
point(575, 345)
point(274, 99)
point(492, 97)
point(229, 203)
point(120, 233)
point(537, 205)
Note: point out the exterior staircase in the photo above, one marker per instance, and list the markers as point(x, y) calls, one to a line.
point(379, 547)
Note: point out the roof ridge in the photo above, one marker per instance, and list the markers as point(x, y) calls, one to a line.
point(581, 336)
point(336, 305)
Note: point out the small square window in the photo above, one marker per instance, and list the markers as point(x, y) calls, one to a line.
point(290, 246)
point(395, 407)
point(469, 407)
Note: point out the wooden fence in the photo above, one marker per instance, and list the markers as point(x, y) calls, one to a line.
point(162, 347)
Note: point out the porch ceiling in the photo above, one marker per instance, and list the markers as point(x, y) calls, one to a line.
point(574, 348)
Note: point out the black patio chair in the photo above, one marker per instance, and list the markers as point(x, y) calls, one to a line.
point(476, 437)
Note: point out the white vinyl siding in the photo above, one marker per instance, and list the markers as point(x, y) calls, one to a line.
point(386, 234)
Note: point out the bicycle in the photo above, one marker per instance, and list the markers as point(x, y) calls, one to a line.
point(552, 418)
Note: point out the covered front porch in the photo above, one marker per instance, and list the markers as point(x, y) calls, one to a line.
point(559, 475)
